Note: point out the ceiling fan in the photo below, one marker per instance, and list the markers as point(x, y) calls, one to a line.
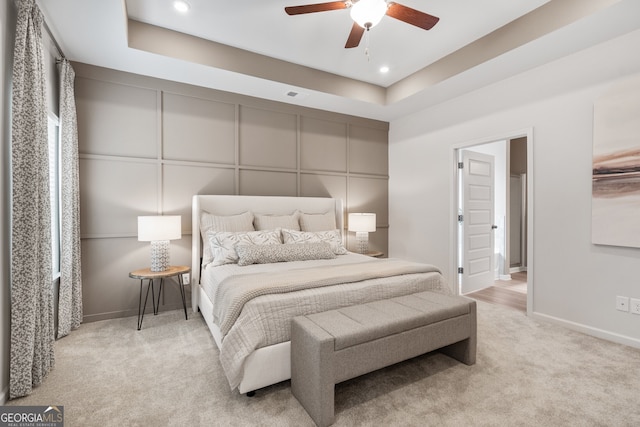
point(367, 13)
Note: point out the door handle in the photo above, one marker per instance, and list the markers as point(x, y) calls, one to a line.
point(493, 227)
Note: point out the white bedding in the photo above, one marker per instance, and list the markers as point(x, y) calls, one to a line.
point(265, 320)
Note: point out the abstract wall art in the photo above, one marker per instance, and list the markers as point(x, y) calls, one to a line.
point(615, 207)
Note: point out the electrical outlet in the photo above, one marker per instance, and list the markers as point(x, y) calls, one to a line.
point(185, 278)
point(635, 306)
point(622, 303)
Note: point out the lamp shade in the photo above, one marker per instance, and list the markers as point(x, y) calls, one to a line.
point(159, 227)
point(360, 222)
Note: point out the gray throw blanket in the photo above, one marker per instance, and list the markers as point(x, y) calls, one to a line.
point(233, 292)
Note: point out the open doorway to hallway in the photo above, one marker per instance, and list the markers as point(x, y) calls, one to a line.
point(508, 285)
point(509, 293)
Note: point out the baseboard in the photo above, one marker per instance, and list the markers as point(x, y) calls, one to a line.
point(517, 269)
point(505, 277)
point(588, 330)
point(88, 318)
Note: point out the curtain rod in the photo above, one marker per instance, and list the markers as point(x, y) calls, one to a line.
point(53, 39)
point(47, 29)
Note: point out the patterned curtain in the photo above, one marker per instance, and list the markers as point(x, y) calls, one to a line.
point(70, 299)
point(32, 315)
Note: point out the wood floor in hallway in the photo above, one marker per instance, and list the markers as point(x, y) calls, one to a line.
point(510, 293)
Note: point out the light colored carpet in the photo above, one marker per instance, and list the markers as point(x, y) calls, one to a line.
point(528, 373)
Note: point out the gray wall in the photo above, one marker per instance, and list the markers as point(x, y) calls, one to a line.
point(148, 145)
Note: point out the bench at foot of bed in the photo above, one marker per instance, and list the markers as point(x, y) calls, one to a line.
point(334, 346)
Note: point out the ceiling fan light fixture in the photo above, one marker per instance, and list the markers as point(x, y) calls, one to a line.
point(368, 13)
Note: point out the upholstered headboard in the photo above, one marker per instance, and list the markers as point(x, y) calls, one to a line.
point(233, 205)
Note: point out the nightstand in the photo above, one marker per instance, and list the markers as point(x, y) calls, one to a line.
point(147, 274)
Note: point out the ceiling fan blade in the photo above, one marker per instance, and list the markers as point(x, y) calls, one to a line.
point(412, 16)
point(354, 36)
point(312, 8)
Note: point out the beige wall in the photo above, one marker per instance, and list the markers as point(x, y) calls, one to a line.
point(148, 145)
point(518, 155)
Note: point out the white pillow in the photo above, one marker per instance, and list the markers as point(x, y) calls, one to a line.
point(318, 222)
point(271, 222)
point(332, 237)
point(267, 254)
point(210, 222)
point(223, 243)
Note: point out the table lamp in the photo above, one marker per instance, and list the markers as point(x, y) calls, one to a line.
point(362, 224)
point(159, 230)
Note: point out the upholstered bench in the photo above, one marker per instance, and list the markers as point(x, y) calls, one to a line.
point(334, 346)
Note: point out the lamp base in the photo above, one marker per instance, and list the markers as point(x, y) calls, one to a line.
point(160, 255)
point(362, 237)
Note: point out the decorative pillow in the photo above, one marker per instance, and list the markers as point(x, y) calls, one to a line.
point(318, 222)
point(224, 244)
point(210, 222)
point(332, 237)
point(266, 254)
point(271, 222)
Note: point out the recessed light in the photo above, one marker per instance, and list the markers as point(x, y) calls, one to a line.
point(181, 6)
point(384, 69)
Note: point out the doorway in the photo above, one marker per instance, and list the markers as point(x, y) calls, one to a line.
point(512, 281)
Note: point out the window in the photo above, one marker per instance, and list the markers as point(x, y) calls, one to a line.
point(54, 186)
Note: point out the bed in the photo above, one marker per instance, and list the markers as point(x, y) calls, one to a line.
point(253, 271)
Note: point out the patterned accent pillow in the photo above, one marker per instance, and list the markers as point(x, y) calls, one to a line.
point(267, 254)
point(223, 244)
point(332, 237)
point(318, 222)
point(271, 222)
point(210, 222)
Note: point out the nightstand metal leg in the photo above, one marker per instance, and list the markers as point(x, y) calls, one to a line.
point(156, 307)
point(182, 292)
point(141, 308)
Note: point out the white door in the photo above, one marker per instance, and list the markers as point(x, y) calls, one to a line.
point(477, 223)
